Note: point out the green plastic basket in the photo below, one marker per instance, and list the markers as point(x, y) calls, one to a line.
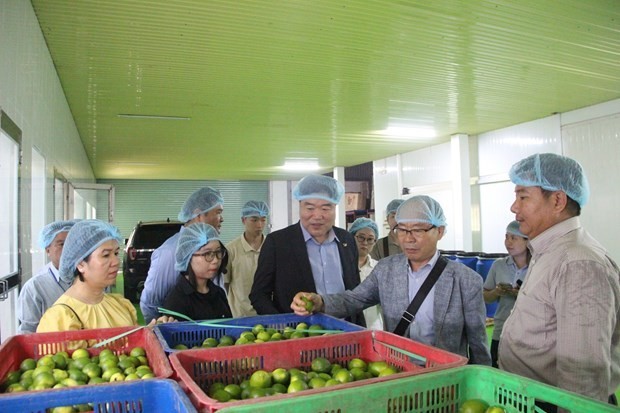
point(438, 392)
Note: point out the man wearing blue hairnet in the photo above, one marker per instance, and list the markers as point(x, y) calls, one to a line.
point(204, 205)
point(388, 245)
point(243, 254)
point(563, 329)
point(311, 255)
point(451, 315)
point(41, 291)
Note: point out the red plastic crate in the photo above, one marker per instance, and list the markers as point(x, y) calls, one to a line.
point(20, 347)
point(196, 370)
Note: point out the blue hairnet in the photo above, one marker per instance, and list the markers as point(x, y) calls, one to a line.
point(255, 209)
point(362, 223)
point(393, 206)
point(553, 173)
point(513, 228)
point(193, 237)
point(49, 232)
point(421, 208)
point(84, 238)
point(319, 187)
point(201, 201)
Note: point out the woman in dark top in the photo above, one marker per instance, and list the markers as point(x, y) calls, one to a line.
point(200, 256)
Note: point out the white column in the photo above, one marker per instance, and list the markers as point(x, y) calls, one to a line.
point(341, 218)
point(461, 190)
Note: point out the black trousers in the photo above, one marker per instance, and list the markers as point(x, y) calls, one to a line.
point(551, 408)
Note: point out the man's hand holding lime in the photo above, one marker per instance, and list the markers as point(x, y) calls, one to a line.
point(306, 303)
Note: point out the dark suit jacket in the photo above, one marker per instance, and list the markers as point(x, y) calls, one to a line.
point(284, 270)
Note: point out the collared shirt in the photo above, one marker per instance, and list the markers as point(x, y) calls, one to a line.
point(421, 328)
point(37, 295)
point(325, 263)
point(242, 262)
point(503, 270)
point(377, 252)
point(372, 315)
point(563, 329)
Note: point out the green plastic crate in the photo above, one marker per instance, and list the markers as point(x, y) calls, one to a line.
point(438, 392)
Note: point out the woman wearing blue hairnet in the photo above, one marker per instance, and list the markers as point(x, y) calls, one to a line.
point(200, 257)
point(89, 262)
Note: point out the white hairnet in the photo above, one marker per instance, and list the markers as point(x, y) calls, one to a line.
point(513, 228)
point(362, 223)
point(192, 238)
point(319, 187)
point(48, 233)
point(553, 173)
point(421, 208)
point(255, 209)
point(393, 206)
point(84, 238)
point(201, 201)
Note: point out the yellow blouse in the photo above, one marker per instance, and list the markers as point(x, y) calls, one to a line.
point(113, 311)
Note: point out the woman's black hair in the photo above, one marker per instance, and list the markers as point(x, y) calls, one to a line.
point(77, 272)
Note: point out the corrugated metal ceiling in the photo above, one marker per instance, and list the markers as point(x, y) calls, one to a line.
point(256, 82)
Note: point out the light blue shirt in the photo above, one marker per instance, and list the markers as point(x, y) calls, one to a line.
point(37, 295)
point(325, 263)
point(421, 328)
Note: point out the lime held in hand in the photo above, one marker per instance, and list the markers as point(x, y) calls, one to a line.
point(309, 304)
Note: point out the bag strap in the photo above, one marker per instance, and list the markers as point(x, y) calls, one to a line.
point(74, 313)
point(414, 306)
point(386, 247)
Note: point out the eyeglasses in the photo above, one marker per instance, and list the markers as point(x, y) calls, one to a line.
point(416, 232)
point(363, 240)
point(211, 255)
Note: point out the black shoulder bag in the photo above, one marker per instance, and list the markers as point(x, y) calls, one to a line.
point(414, 306)
point(386, 247)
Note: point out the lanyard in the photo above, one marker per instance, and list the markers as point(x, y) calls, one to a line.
point(55, 279)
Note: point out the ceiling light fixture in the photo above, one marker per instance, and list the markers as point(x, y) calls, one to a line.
point(301, 164)
point(136, 116)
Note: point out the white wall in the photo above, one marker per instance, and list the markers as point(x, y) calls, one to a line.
point(590, 135)
point(31, 95)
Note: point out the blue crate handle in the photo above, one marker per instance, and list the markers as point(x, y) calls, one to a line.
point(218, 322)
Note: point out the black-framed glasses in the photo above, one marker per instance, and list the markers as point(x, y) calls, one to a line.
point(364, 240)
point(416, 232)
point(211, 255)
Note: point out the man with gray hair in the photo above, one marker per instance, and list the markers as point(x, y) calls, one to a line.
point(204, 205)
point(311, 255)
point(450, 312)
point(388, 245)
point(563, 329)
point(41, 291)
point(243, 254)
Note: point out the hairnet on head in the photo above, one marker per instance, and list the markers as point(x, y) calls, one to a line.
point(201, 201)
point(393, 206)
point(48, 233)
point(553, 173)
point(192, 238)
point(84, 238)
point(255, 209)
point(513, 228)
point(362, 223)
point(319, 187)
point(421, 208)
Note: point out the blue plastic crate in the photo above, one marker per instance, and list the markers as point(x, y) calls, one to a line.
point(191, 334)
point(148, 396)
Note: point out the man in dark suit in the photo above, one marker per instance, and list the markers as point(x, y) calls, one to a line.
point(311, 255)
